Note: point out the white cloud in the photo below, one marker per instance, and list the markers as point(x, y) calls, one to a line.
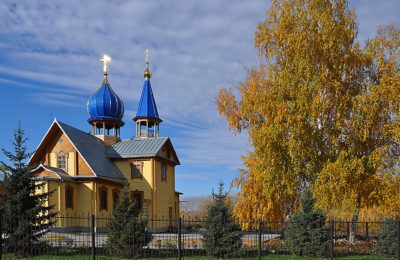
point(53, 48)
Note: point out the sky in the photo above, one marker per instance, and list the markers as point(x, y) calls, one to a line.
point(50, 65)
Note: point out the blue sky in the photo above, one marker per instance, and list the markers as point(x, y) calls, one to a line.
point(50, 55)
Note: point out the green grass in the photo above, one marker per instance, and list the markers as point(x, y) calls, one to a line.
point(71, 256)
point(168, 255)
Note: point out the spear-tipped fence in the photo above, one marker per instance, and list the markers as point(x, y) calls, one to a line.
point(86, 236)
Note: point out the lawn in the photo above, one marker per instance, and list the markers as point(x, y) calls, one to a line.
point(70, 256)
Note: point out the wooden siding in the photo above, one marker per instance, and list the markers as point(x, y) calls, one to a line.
point(164, 192)
point(83, 168)
point(104, 213)
point(137, 183)
point(71, 163)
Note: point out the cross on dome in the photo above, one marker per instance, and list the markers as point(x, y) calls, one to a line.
point(105, 59)
point(147, 72)
point(147, 55)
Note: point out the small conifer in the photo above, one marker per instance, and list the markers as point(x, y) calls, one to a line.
point(127, 233)
point(307, 233)
point(220, 239)
point(387, 239)
point(26, 216)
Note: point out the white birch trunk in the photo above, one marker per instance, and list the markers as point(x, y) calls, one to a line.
point(353, 226)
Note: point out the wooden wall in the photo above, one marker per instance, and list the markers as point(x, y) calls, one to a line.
point(137, 183)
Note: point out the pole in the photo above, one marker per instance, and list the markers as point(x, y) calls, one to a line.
point(1, 234)
point(331, 247)
point(398, 240)
point(93, 241)
point(179, 239)
point(259, 239)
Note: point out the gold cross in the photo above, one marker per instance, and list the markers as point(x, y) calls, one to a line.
point(147, 55)
point(105, 59)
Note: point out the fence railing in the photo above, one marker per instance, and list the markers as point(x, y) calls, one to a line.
point(90, 237)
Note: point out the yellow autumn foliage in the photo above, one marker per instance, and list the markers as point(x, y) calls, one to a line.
point(321, 111)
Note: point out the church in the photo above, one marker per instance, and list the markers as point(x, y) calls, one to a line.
point(89, 170)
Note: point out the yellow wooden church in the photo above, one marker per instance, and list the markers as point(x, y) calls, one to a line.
point(89, 170)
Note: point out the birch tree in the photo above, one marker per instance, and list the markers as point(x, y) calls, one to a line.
point(321, 111)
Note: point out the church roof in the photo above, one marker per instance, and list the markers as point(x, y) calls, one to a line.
point(140, 147)
point(62, 175)
point(147, 105)
point(93, 152)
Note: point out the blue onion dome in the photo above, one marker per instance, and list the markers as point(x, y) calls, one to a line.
point(105, 105)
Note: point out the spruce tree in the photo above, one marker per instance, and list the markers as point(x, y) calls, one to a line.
point(127, 233)
point(307, 233)
point(26, 216)
point(387, 237)
point(220, 239)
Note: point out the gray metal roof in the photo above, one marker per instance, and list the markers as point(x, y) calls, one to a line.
point(141, 147)
point(93, 152)
point(63, 176)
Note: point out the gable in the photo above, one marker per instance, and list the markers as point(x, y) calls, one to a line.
point(43, 172)
point(87, 152)
point(56, 143)
point(167, 151)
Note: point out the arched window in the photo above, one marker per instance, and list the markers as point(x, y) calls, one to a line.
point(62, 160)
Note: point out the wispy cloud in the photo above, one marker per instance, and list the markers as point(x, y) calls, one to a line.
point(50, 56)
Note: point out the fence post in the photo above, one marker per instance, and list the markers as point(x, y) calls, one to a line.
point(1, 234)
point(366, 230)
point(93, 241)
point(331, 247)
point(398, 240)
point(179, 239)
point(259, 239)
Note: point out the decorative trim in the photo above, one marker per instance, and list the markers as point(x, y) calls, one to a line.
point(106, 201)
point(67, 188)
point(164, 166)
point(132, 164)
point(113, 195)
point(62, 153)
point(142, 198)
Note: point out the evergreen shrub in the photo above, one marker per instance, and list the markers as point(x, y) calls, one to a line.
point(220, 239)
point(307, 233)
point(26, 217)
point(387, 239)
point(127, 233)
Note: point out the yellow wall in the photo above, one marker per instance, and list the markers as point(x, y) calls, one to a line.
point(71, 163)
point(53, 160)
point(137, 183)
point(164, 193)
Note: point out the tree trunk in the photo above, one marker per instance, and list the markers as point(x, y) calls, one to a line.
point(287, 220)
point(353, 226)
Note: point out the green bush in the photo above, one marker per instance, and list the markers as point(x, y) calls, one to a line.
point(307, 233)
point(387, 239)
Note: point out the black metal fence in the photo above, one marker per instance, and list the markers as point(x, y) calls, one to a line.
point(87, 237)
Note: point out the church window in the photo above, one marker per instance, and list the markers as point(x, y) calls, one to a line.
point(164, 172)
point(103, 198)
point(69, 197)
point(61, 162)
point(138, 197)
point(115, 197)
point(137, 170)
